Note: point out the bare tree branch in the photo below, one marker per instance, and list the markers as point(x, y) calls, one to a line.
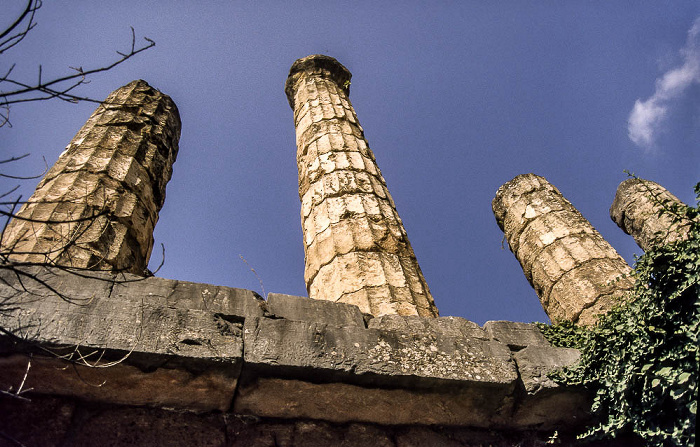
point(9, 40)
point(61, 88)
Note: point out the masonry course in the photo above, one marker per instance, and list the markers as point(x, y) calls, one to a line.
point(203, 354)
point(52, 422)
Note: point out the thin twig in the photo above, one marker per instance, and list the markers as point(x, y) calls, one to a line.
point(254, 273)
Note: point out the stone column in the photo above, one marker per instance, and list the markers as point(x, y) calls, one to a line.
point(635, 210)
point(575, 272)
point(355, 244)
point(97, 206)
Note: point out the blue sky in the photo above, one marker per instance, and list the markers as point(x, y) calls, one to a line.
point(456, 98)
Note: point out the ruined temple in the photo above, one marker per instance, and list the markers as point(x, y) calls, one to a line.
point(109, 352)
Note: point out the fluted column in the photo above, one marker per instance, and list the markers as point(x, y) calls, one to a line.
point(575, 272)
point(636, 208)
point(356, 247)
point(96, 208)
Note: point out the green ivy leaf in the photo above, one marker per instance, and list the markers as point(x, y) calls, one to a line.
point(664, 372)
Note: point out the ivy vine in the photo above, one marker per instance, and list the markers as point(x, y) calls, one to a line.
point(641, 361)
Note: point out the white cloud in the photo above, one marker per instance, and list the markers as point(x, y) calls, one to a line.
point(647, 116)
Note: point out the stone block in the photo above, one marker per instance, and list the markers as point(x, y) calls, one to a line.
point(422, 436)
point(34, 420)
point(536, 362)
point(545, 404)
point(130, 348)
point(305, 309)
point(449, 327)
point(89, 315)
point(232, 302)
point(515, 335)
point(124, 287)
point(439, 356)
point(343, 403)
point(128, 426)
point(170, 386)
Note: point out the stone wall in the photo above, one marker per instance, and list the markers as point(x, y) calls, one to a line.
point(227, 355)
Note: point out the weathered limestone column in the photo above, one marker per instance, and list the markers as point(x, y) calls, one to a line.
point(575, 272)
point(635, 210)
point(97, 206)
point(356, 247)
